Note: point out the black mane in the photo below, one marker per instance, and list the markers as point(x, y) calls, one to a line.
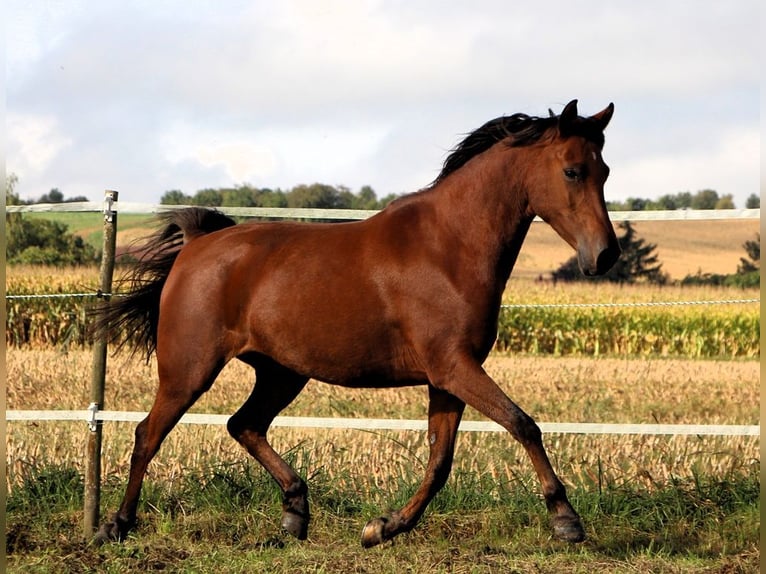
point(520, 128)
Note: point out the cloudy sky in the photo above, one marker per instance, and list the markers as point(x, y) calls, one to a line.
point(148, 96)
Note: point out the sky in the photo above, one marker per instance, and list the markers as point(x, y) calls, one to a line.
point(146, 96)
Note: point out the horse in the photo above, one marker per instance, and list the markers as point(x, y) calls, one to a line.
point(409, 296)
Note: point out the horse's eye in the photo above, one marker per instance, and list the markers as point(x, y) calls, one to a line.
point(572, 174)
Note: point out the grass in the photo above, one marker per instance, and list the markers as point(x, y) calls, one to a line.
point(650, 503)
point(223, 519)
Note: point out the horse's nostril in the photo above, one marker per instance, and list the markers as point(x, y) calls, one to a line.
point(607, 258)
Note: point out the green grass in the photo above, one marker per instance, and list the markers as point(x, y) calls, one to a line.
point(225, 519)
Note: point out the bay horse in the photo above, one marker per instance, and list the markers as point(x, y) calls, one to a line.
point(409, 296)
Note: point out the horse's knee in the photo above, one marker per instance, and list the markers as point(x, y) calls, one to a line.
point(139, 444)
point(238, 426)
point(140, 432)
point(441, 469)
point(234, 427)
point(526, 431)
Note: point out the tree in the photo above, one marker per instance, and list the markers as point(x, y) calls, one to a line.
point(238, 197)
point(316, 195)
point(366, 198)
point(637, 263)
point(208, 197)
point(53, 196)
point(684, 199)
point(11, 197)
point(40, 241)
point(753, 201)
point(705, 199)
point(748, 273)
point(668, 202)
point(271, 198)
point(725, 202)
point(753, 261)
point(636, 204)
point(175, 197)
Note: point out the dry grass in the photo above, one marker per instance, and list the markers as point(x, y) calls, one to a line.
point(555, 390)
point(575, 389)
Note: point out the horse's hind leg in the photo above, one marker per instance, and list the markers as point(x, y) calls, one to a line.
point(177, 392)
point(274, 389)
point(444, 414)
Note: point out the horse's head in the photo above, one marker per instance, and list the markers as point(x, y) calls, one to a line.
point(568, 192)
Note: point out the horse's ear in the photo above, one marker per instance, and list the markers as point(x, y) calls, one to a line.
point(568, 118)
point(604, 116)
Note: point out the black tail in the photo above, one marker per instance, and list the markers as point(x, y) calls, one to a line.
point(131, 316)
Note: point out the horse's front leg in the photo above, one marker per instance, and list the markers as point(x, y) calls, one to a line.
point(470, 383)
point(444, 413)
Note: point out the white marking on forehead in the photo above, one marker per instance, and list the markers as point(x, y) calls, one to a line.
point(595, 155)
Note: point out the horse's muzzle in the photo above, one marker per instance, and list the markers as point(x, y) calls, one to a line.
point(602, 263)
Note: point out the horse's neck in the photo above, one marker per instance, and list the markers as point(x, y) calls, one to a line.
point(485, 204)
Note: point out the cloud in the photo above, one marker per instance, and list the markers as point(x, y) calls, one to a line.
point(727, 167)
point(36, 141)
point(188, 95)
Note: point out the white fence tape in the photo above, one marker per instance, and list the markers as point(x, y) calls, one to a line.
point(350, 214)
point(397, 424)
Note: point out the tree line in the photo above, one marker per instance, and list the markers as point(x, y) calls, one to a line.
point(315, 195)
point(703, 199)
point(324, 196)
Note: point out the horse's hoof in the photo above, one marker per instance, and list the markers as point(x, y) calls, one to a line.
point(108, 532)
point(295, 524)
point(103, 536)
point(568, 529)
point(372, 534)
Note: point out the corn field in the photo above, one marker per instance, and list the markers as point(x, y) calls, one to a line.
point(699, 331)
point(690, 332)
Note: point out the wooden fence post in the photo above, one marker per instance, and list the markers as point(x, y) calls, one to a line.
point(98, 375)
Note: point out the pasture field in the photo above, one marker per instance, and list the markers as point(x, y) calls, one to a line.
point(650, 503)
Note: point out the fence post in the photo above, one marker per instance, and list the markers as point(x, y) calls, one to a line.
point(98, 376)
